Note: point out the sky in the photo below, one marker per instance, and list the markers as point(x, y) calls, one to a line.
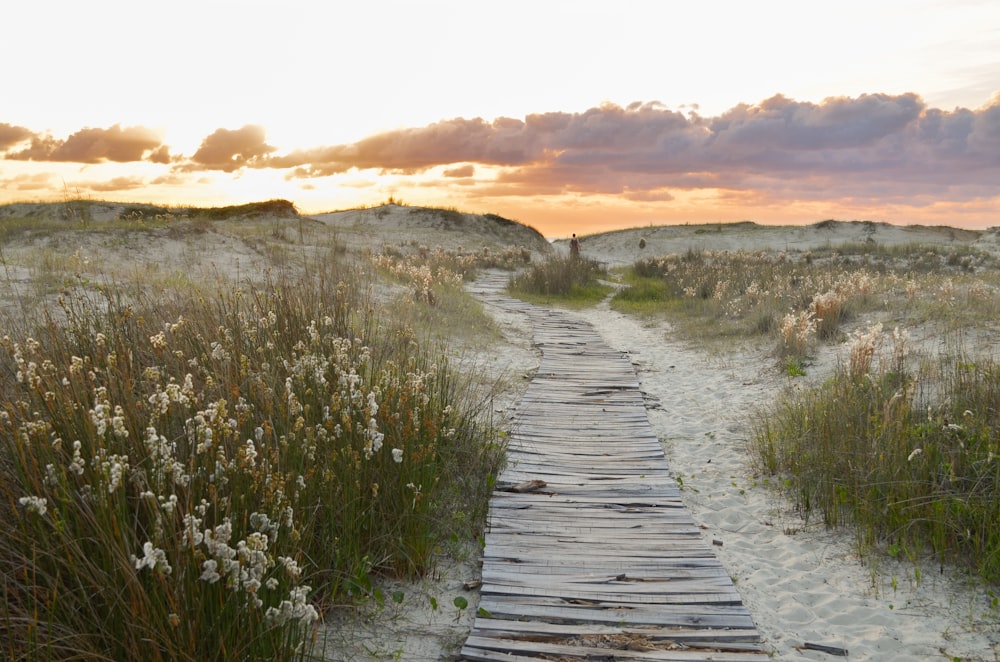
point(569, 116)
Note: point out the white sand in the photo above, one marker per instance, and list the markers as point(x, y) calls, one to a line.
point(801, 583)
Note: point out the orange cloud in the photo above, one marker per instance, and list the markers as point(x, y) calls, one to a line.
point(871, 150)
point(113, 184)
point(92, 145)
point(38, 181)
point(461, 171)
point(229, 150)
point(11, 135)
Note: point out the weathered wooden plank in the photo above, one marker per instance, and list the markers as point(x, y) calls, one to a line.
point(533, 608)
point(630, 595)
point(631, 652)
point(506, 628)
point(649, 573)
point(602, 561)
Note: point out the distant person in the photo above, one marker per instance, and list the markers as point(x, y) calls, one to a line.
point(574, 246)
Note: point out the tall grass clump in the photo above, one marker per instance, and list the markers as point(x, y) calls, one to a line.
point(575, 279)
point(910, 459)
point(425, 265)
point(198, 474)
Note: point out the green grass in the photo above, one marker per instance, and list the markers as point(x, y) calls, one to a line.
point(644, 296)
point(204, 470)
point(279, 208)
point(909, 461)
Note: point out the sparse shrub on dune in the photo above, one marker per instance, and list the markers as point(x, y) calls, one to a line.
point(426, 267)
point(901, 450)
point(800, 299)
point(908, 459)
point(576, 279)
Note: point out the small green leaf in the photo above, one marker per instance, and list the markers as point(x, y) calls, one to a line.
point(434, 603)
point(397, 597)
point(460, 602)
point(484, 613)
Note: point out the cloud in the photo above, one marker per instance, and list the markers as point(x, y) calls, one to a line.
point(160, 155)
point(413, 150)
point(39, 181)
point(92, 145)
point(874, 147)
point(11, 135)
point(461, 171)
point(230, 150)
point(837, 123)
point(869, 146)
point(112, 185)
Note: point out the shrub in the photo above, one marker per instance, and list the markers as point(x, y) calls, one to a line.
point(564, 277)
point(908, 460)
point(200, 473)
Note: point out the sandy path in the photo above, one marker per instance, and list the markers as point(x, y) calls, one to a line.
point(801, 583)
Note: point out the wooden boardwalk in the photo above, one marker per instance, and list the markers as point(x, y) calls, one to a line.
point(599, 560)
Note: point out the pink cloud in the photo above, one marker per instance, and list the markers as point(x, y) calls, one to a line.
point(869, 146)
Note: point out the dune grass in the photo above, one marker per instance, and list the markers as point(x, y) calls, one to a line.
point(909, 460)
point(800, 299)
point(898, 446)
point(571, 281)
point(200, 472)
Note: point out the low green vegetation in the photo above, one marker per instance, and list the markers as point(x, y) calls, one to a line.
point(575, 281)
point(270, 208)
point(799, 299)
point(204, 470)
point(909, 459)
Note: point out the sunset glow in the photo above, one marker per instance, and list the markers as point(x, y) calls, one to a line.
point(567, 116)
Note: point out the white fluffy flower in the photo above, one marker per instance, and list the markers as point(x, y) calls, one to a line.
point(153, 558)
point(35, 504)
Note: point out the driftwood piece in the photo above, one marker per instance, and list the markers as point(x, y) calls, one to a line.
point(832, 650)
point(526, 486)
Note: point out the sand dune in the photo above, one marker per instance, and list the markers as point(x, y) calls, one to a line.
point(800, 582)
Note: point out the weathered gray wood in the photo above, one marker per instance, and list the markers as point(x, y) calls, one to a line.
point(599, 559)
point(542, 629)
